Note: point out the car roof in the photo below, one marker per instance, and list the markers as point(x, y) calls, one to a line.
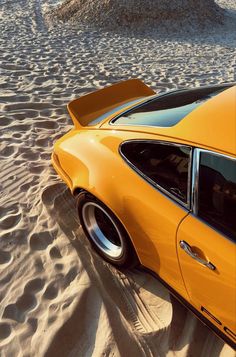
point(211, 124)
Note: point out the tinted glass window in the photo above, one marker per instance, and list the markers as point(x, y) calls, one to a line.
point(217, 193)
point(163, 164)
point(168, 109)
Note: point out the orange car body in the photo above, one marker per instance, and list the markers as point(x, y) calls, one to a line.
point(88, 157)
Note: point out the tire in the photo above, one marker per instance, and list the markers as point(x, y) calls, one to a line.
point(105, 232)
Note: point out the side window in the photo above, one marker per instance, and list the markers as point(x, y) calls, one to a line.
point(217, 193)
point(161, 163)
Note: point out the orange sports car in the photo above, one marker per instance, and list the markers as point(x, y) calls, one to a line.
point(154, 178)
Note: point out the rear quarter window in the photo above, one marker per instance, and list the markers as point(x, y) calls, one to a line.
point(165, 165)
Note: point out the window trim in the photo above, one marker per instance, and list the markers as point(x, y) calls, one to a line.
point(186, 205)
point(195, 184)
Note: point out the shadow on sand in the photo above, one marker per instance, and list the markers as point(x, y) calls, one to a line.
point(136, 325)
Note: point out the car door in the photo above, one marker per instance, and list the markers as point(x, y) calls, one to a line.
point(206, 241)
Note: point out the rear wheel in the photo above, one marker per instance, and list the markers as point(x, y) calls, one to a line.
point(105, 232)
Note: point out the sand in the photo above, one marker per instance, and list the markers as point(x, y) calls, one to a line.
point(57, 297)
point(168, 15)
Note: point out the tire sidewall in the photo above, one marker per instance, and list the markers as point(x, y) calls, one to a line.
point(127, 257)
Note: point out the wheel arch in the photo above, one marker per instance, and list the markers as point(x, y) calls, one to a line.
point(93, 163)
point(77, 190)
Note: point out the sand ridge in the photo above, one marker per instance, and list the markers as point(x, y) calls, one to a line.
point(56, 296)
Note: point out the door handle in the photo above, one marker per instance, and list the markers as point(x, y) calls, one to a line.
point(187, 248)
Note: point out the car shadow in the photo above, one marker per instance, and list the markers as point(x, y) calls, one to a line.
point(144, 319)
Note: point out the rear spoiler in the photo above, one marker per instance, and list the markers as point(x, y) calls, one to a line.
point(93, 105)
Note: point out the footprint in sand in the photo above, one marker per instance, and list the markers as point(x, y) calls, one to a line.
point(26, 302)
point(52, 319)
point(5, 257)
point(17, 135)
point(38, 265)
point(10, 221)
point(5, 122)
point(7, 151)
point(11, 312)
point(18, 310)
point(35, 285)
point(32, 113)
point(26, 186)
point(67, 304)
point(51, 292)
point(31, 156)
point(40, 241)
point(37, 169)
point(9, 210)
point(49, 194)
point(42, 142)
point(7, 279)
point(46, 124)
point(59, 267)
point(33, 324)
point(55, 253)
point(45, 156)
point(5, 331)
point(21, 127)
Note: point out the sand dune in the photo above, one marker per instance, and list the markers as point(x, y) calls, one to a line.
point(179, 16)
point(57, 298)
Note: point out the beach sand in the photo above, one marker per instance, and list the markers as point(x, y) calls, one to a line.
point(57, 297)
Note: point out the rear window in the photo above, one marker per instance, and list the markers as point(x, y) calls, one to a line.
point(169, 109)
